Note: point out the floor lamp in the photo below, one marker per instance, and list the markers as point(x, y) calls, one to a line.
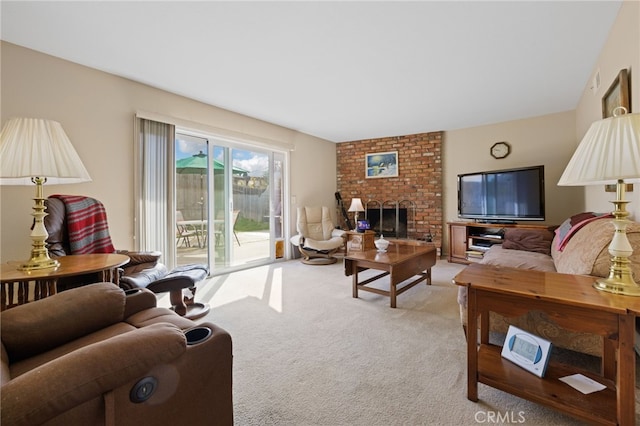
point(35, 151)
point(610, 154)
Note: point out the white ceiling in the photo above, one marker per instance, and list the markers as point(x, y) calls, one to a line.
point(337, 70)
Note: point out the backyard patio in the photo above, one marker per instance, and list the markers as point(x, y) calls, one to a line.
point(253, 246)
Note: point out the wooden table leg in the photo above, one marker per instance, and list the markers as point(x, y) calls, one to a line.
point(626, 371)
point(23, 292)
point(3, 302)
point(392, 290)
point(472, 346)
point(354, 279)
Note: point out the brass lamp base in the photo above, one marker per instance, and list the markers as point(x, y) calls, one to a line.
point(34, 264)
point(620, 279)
point(39, 254)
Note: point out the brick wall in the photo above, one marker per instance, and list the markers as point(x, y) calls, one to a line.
point(419, 178)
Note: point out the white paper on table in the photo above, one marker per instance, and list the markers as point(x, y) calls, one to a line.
point(583, 383)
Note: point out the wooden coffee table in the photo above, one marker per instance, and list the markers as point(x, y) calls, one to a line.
point(403, 259)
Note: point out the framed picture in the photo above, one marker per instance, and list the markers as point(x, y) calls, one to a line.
point(381, 164)
point(617, 95)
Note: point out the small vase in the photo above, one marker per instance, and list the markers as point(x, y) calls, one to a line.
point(381, 244)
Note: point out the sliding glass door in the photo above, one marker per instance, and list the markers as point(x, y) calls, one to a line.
point(229, 201)
point(192, 199)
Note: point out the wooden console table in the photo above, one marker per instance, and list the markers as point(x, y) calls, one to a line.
point(572, 302)
point(15, 283)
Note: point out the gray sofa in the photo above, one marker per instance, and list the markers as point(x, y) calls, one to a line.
point(584, 251)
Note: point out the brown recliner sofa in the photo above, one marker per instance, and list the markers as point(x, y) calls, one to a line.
point(96, 355)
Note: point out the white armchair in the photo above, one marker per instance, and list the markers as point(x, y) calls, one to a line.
point(318, 239)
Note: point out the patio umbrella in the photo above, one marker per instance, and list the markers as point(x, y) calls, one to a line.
point(197, 164)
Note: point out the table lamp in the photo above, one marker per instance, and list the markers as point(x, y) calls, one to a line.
point(35, 151)
point(356, 206)
point(610, 153)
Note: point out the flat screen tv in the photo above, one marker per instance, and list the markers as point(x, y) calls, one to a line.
point(502, 195)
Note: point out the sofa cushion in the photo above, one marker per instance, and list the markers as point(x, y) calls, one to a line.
point(499, 256)
point(535, 240)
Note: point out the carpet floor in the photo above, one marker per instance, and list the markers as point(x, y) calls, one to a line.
point(307, 353)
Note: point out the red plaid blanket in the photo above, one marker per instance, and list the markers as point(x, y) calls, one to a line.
point(87, 225)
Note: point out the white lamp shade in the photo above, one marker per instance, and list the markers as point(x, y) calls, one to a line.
point(609, 151)
point(356, 205)
point(31, 147)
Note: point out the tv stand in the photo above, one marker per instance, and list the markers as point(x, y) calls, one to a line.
point(497, 222)
point(469, 240)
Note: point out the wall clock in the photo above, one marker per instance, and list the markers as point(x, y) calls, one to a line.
point(500, 150)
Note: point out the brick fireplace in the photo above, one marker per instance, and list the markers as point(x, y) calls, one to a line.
point(417, 188)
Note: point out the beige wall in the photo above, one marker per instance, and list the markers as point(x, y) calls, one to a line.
point(552, 139)
point(548, 140)
point(97, 111)
point(622, 50)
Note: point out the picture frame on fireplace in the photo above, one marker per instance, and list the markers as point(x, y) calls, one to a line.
point(381, 164)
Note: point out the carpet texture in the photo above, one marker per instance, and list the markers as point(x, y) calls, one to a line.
point(307, 353)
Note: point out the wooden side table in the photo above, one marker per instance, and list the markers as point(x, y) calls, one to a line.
point(360, 241)
point(16, 284)
point(572, 302)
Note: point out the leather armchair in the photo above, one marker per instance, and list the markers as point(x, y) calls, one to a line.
point(317, 238)
point(95, 355)
point(144, 269)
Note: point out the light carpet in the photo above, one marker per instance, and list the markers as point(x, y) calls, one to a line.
point(307, 353)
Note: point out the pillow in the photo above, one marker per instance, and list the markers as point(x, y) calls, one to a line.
point(535, 240)
point(573, 224)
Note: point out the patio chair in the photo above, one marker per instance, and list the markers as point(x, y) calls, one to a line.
point(185, 232)
point(236, 213)
point(219, 229)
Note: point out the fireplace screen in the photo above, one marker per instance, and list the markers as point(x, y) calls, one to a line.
point(393, 223)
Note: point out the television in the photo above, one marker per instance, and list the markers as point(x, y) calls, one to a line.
point(502, 196)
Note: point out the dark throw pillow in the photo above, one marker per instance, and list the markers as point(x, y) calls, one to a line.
point(535, 240)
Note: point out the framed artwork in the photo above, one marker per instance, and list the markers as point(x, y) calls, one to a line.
point(381, 164)
point(617, 95)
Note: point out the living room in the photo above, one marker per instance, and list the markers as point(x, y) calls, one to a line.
point(97, 111)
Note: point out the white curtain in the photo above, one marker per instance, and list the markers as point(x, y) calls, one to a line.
point(154, 188)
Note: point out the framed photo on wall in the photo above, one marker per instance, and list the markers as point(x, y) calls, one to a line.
point(381, 164)
point(617, 95)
